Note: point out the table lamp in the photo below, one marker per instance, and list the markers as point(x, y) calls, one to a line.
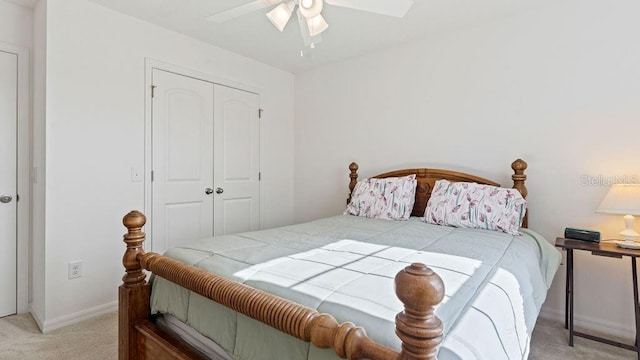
point(623, 199)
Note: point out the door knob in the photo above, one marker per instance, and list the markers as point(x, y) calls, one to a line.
point(219, 190)
point(208, 191)
point(5, 198)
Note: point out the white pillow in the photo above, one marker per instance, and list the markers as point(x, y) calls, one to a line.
point(476, 206)
point(389, 198)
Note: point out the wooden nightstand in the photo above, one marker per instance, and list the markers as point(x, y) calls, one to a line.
point(609, 249)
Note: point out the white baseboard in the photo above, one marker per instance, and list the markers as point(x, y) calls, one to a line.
point(36, 316)
point(74, 318)
point(598, 326)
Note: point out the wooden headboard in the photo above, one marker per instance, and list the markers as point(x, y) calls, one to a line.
point(427, 177)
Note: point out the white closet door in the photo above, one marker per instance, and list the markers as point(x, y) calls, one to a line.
point(205, 160)
point(182, 157)
point(237, 160)
point(8, 182)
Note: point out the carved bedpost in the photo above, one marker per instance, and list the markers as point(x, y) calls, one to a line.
point(519, 178)
point(420, 289)
point(133, 294)
point(134, 238)
point(353, 168)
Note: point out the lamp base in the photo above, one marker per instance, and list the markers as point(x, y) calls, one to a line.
point(628, 245)
point(629, 234)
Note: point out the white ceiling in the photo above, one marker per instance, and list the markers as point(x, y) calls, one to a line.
point(351, 33)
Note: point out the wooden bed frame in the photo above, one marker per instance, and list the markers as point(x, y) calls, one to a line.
point(418, 288)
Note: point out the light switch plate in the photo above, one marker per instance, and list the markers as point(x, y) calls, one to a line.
point(136, 175)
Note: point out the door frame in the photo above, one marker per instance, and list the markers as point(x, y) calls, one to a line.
point(23, 173)
point(149, 65)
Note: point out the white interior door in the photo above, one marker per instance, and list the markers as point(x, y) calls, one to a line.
point(182, 160)
point(8, 182)
point(237, 160)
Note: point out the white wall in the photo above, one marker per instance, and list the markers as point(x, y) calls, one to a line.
point(95, 133)
point(558, 87)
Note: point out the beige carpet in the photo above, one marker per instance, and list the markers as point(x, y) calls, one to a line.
point(550, 341)
point(96, 339)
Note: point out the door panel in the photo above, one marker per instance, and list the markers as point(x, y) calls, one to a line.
point(182, 157)
point(237, 160)
point(8, 182)
point(238, 141)
point(238, 214)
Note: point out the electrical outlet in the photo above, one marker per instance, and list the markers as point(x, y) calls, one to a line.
point(75, 269)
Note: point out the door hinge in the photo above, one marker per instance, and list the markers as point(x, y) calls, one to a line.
point(259, 176)
point(260, 113)
point(151, 175)
point(153, 90)
point(17, 197)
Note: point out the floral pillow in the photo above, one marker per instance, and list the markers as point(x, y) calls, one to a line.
point(389, 198)
point(476, 206)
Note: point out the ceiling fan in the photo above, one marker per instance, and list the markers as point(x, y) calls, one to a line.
point(309, 13)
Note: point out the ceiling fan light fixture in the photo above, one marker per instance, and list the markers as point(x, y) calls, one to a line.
point(310, 8)
point(281, 14)
point(316, 25)
point(307, 40)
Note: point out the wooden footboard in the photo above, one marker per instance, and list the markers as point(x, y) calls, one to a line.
point(417, 287)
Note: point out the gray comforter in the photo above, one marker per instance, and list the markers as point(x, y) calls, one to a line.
point(344, 265)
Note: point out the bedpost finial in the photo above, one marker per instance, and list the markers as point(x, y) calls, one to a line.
point(353, 167)
point(134, 220)
point(134, 238)
point(420, 289)
point(519, 166)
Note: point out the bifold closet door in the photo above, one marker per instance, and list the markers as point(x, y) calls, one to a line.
point(205, 160)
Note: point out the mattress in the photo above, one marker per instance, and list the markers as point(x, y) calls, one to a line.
point(495, 284)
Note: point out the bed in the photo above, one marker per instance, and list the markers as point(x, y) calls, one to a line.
point(295, 292)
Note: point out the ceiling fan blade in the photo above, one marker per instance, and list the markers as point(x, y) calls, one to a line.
point(234, 12)
point(397, 8)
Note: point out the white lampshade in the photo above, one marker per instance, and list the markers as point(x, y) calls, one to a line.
point(623, 199)
point(316, 25)
point(281, 14)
